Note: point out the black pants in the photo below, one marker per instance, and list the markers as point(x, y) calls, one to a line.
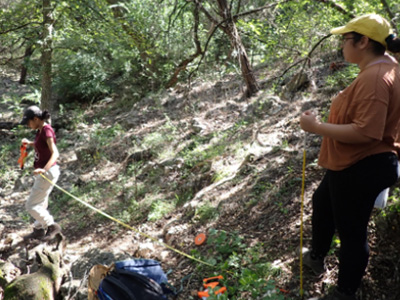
point(344, 201)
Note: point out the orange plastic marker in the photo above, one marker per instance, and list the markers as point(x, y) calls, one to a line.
point(205, 294)
point(211, 282)
point(205, 280)
point(23, 156)
point(200, 239)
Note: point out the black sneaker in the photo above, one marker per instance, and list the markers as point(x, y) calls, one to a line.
point(317, 265)
point(335, 295)
point(52, 231)
point(37, 234)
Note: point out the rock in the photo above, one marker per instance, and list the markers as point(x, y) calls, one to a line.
point(74, 288)
point(200, 126)
point(93, 257)
point(173, 231)
point(164, 255)
point(173, 162)
point(11, 240)
point(297, 82)
point(23, 183)
point(146, 154)
point(8, 272)
point(146, 250)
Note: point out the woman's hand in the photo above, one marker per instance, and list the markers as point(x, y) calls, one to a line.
point(345, 133)
point(39, 171)
point(309, 122)
point(26, 142)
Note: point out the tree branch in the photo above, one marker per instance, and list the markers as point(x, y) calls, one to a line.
point(337, 7)
point(170, 21)
point(219, 24)
point(304, 60)
point(20, 27)
point(256, 10)
point(205, 11)
point(206, 46)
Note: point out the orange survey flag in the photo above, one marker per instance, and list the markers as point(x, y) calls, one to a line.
point(23, 156)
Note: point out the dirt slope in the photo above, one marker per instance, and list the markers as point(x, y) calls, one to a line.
point(259, 198)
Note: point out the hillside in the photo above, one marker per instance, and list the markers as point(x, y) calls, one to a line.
point(182, 162)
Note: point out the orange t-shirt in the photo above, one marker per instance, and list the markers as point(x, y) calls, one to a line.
point(372, 105)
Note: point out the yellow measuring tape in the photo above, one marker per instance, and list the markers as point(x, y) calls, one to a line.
point(126, 225)
point(301, 218)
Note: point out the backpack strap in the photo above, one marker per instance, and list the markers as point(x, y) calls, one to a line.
point(144, 280)
point(122, 284)
point(112, 280)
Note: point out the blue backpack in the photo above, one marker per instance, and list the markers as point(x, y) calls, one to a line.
point(135, 279)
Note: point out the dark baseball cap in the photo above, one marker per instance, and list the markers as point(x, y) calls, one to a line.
point(30, 113)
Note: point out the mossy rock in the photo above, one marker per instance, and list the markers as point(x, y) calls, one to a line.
point(41, 285)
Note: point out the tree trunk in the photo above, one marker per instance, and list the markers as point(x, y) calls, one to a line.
point(231, 30)
point(24, 68)
point(46, 55)
point(183, 65)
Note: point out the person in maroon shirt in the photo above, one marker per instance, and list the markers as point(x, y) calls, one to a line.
point(46, 155)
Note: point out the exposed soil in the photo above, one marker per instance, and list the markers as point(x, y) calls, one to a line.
point(271, 173)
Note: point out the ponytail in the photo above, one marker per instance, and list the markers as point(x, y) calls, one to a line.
point(393, 43)
point(45, 115)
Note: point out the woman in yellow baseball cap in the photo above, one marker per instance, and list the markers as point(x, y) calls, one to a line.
point(359, 150)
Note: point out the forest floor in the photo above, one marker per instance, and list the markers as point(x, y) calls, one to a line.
point(259, 201)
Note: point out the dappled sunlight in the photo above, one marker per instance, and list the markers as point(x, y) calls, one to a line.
point(199, 157)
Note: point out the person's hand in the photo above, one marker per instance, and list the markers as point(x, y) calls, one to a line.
point(39, 171)
point(25, 141)
point(309, 122)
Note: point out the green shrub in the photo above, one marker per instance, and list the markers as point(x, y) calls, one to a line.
point(160, 208)
point(342, 78)
point(247, 274)
point(80, 76)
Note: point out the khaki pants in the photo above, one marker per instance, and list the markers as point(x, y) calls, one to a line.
point(38, 200)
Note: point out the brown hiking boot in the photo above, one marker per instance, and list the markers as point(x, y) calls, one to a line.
point(52, 231)
point(37, 234)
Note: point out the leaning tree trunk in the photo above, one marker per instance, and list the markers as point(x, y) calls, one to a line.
point(183, 65)
point(24, 69)
point(46, 55)
point(231, 30)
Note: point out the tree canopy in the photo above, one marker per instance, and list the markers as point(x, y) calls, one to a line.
point(100, 47)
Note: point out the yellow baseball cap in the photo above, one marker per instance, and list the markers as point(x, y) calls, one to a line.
point(371, 25)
